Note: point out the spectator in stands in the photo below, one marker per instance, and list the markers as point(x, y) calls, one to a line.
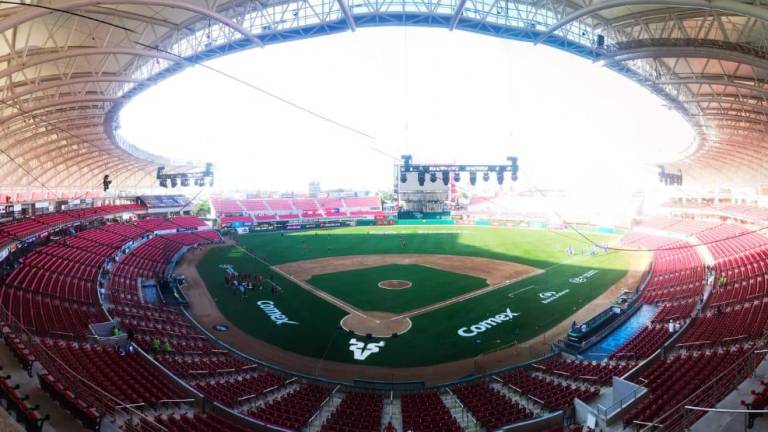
point(758, 402)
point(116, 331)
point(671, 326)
point(167, 347)
point(155, 344)
point(389, 427)
point(131, 335)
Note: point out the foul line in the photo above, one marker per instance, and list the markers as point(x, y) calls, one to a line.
point(467, 296)
point(323, 295)
point(510, 295)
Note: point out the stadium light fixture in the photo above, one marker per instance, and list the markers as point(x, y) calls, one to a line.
point(185, 178)
point(670, 179)
point(513, 167)
point(106, 182)
point(445, 171)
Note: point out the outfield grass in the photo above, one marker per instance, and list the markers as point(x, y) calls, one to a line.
point(434, 337)
point(360, 287)
point(536, 248)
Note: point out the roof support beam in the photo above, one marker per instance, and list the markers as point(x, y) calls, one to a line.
point(731, 6)
point(713, 82)
point(344, 6)
point(61, 83)
point(82, 52)
point(60, 102)
point(681, 52)
point(26, 14)
point(457, 14)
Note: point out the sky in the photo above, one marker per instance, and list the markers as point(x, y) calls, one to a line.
point(443, 97)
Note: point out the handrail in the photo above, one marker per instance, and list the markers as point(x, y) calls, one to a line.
point(39, 348)
point(726, 410)
point(605, 411)
point(740, 363)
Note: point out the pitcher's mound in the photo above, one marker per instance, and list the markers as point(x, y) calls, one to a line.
point(395, 284)
point(378, 324)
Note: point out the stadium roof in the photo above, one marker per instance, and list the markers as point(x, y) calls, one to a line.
point(70, 65)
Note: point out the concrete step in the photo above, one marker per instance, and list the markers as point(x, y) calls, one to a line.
point(324, 412)
point(462, 415)
point(392, 413)
point(520, 398)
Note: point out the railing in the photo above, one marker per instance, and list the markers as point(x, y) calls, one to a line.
point(466, 416)
point(42, 361)
point(680, 417)
point(605, 412)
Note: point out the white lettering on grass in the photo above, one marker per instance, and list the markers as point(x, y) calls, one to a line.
point(552, 296)
point(274, 313)
point(487, 324)
point(583, 278)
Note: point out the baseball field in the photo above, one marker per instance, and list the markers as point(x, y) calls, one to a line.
point(425, 294)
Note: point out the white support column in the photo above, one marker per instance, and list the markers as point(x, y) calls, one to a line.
point(457, 14)
point(347, 14)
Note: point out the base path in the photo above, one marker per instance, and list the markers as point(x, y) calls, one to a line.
point(493, 271)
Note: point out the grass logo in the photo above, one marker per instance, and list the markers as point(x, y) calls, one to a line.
point(362, 350)
point(273, 312)
point(583, 278)
point(549, 296)
point(487, 324)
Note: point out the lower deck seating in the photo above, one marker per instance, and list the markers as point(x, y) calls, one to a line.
point(129, 378)
point(187, 423)
point(674, 379)
point(643, 344)
point(294, 409)
point(749, 320)
point(489, 406)
point(231, 391)
point(597, 372)
point(551, 393)
point(426, 412)
point(357, 412)
point(50, 315)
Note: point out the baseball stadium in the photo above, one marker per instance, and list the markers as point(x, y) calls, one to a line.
point(390, 216)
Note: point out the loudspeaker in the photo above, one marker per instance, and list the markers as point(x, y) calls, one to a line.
point(600, 41)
